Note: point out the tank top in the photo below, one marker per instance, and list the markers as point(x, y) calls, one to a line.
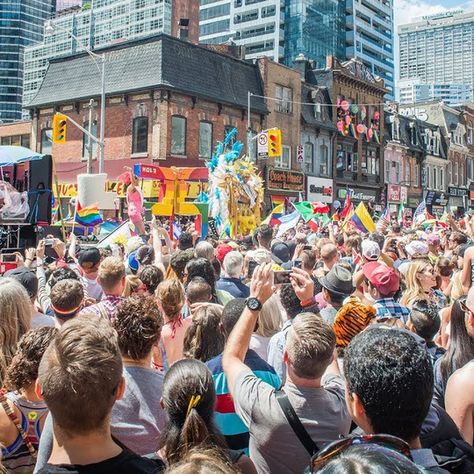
point(472, 271)
point(16, 457)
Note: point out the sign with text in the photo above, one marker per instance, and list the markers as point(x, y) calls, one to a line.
point(285, 180)
point(262, 145)
point(459, 192)
point(320, 189)
point(300, 153)
point(393, 193)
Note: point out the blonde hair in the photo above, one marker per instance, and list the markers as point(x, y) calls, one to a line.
point(414, 290)
point(15, 320)
point(170, 294)
point(111, 271)
point(132, 284)
point(457, 289)
point(269, 318)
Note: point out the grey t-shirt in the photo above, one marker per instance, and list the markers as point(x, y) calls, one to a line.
point(137, 419)
point(274, 447)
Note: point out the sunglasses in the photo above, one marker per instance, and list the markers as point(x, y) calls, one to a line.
point(464, 307)
point(332, 450)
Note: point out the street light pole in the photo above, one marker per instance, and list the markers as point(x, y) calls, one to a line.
point(49, 28)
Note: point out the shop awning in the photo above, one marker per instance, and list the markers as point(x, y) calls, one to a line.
point(13, 155)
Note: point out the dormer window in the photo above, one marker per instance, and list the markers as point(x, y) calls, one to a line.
point(396, 129)
point(317, 110)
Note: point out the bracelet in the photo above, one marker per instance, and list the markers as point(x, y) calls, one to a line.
point(309, 302)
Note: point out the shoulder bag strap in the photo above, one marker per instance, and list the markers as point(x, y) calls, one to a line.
point(12, 415)
point(295, 423)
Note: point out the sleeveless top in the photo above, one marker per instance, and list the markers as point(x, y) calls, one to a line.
point(472, 271)
point(16, 457)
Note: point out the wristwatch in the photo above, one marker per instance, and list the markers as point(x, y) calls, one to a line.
point(253, 304)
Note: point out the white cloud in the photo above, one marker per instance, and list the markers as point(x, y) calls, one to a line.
point(407, 10)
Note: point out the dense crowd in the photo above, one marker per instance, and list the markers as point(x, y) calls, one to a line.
point(333, 352)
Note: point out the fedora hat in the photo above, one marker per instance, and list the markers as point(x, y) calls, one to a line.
point(338, 280)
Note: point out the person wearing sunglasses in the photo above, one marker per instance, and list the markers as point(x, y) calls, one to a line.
point(389, 379)
point(370, 454)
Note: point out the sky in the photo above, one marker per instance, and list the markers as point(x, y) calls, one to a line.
point(407, 10)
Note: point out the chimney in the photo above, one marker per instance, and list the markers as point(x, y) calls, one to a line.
point(302, 65)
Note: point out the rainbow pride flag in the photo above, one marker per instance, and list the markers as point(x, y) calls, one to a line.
point(277, 200)
point(88, 216)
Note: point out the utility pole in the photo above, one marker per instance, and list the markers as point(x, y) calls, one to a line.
point(89, 139)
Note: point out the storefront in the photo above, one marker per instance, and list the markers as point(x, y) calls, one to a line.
point(286, 183)
point(370, 196)
point(457, 199)
point(394, 196)
point(319, 189)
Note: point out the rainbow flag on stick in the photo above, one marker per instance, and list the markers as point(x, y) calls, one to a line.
point(88, 216)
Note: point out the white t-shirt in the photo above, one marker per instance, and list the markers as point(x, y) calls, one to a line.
point(92, 287)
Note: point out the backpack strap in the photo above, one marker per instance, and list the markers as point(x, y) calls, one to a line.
point(14, 419)
point(295, 423)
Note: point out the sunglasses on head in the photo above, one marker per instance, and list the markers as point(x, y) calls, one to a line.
point(464, 307)
point(332, 450)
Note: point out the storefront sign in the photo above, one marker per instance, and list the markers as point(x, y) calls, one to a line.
point(393, 193)
point(319, 189)
point(357, 194)
point(285, 180)
point(459, 192)
point(434, 198)
point(403, 194)
point(413, 202)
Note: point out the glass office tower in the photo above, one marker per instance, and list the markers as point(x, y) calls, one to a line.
point(315, 28)
point(21, 24)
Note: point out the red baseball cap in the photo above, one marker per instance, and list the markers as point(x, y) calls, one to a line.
point(381, 277)
point(222, 250)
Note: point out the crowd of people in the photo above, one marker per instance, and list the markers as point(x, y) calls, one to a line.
point(330, 352)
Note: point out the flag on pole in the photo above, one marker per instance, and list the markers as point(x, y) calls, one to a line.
point(384, 220)
point(348, 217)
point(347, 205)
point(362, 219)
point(88, 216)
point(274, 217)
point(420, 213)
point(288, 222)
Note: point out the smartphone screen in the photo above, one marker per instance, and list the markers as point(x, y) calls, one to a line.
point(280, 278)
point(9, 257)
point(252, 266)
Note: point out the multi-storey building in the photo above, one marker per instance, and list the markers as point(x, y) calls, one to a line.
point(257, 24)
point(21, 25)
point(439, 49)
point(411, 91)
point(370, 37)
point(109, 22)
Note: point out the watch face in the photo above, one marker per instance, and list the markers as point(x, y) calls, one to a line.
point(253, 303)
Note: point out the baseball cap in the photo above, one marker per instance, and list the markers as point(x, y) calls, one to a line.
point(417, 248)
point(133, 262)
point(370, 249)
point(26, 278)
point(433, 239)
point(222, 250)
point(89, 257)
point(381, 277)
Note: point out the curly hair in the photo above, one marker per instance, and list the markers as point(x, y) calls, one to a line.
point(151, 277)
point(179, 260)
point(138, 325)
point(23, 369)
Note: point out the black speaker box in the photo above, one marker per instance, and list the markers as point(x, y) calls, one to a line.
point(40, 185)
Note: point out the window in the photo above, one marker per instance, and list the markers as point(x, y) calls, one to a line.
point(308, 157)
point(428, 177)
point(372, 162)
point(456, 174)
point(397, 172)
point(396, 130)
point(323, 160)
point(441, 179)
point(449, 178)
point(388, 165)
point(407, 173)
point(85, 140)
point(205, 139)
point(416, 175)
point(178, 135)
point(285, 99)
point(470, 135)
point(284, 161)
point(434, 180)
point(25, 141)
point(46, 141)
point(317, 111)
point(140, 135)
point(461, 174)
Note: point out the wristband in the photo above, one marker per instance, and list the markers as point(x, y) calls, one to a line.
point(309, 302)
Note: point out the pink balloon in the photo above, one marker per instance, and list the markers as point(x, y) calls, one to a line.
point(360, 128)
point(370, 133)
point(345, 105)
point(377, 116)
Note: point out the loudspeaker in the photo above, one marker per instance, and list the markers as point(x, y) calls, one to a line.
point(40, 184)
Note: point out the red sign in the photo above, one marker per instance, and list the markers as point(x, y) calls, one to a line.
point(393, 193)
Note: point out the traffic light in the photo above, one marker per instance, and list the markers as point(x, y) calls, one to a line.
point(59, 128)
point(274, 142)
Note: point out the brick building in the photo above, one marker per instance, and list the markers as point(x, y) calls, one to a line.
point(467, 115)
point(168, 102)
point(16, 133)
point(357, 98)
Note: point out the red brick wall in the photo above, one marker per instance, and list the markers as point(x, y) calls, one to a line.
point(186, 9)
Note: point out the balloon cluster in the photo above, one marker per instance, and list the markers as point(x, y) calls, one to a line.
point(351, 120)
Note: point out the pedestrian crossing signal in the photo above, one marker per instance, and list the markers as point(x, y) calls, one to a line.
point(274, 143)
point(59, 128)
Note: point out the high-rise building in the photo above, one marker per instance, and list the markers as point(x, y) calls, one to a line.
point(256, 24)
point(21, 24)
point(411, 91)
point(370, 37)
point(109, 22)
point(315, 28)
point(439, 49)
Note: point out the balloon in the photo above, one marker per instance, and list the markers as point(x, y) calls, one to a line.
point(348, 119)
point(369, 134)
point(336, 204)
point(354, 109)
point(345, 105)
point(377, 116)
point(363, 113)
point(360, 128)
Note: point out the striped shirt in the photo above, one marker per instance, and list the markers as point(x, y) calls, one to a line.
point(228, 422)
